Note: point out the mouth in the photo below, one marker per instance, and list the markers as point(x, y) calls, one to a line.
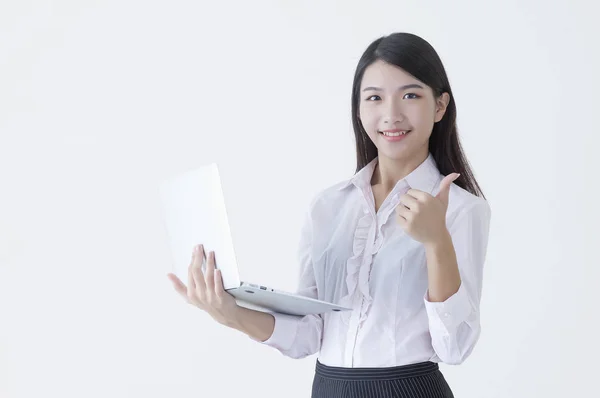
point(394, 135)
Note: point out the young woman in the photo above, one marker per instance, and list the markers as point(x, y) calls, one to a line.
point(402, 242)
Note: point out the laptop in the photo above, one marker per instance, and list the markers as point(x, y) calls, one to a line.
point(194, 212)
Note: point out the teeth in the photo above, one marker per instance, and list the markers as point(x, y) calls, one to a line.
point(394, 134)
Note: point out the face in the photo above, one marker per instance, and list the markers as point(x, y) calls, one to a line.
point(394, 102)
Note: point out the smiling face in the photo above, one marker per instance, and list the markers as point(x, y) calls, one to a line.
point(398, 111)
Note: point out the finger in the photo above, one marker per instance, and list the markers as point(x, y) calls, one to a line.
point(196, 269)
point(219, 288)
point(418, 195)
point(445, 186)
point(401, 220)
point(403, 212)
point(191, 284)
point(178, 285)
point(191, 287)
point(448, 180)
point(409, 201)
point(210, 274)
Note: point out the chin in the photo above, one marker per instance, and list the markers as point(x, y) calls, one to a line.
point(395, 155)
point(398, 151)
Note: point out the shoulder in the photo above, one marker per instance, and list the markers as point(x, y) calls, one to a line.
point(326, 200)
point(461, 201)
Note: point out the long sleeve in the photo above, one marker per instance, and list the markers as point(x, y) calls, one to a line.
point(300, 336)
point(455, 323)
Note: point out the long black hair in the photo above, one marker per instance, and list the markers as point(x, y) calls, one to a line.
point(418, 58)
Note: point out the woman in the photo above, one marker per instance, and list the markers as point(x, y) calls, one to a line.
point(402, 243)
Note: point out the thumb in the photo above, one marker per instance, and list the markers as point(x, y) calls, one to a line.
point(445, 187)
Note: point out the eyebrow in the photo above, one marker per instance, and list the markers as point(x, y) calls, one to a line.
point(405, 87)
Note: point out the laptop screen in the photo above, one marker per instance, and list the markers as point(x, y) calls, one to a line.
point(194, 212)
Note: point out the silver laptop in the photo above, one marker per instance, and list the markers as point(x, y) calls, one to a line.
point(194, 212)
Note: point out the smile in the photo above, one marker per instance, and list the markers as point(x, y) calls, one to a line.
point(395, 133)
point(393, 136)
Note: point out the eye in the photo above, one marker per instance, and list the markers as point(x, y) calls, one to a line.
point(373, 96)
point(413, 96)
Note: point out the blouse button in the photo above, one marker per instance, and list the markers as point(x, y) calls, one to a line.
point(365, 210)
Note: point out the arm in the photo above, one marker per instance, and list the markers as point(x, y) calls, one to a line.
point(257, 325)
point(455, 272)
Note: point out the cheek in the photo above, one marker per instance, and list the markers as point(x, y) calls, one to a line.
point(423, 119)
point(371, 130)
point(368, 119)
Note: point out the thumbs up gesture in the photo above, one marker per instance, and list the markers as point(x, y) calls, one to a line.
point(423, 216)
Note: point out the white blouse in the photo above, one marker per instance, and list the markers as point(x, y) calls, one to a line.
point(362, 259)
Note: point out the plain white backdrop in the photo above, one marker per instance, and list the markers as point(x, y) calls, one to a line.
point(100, 100)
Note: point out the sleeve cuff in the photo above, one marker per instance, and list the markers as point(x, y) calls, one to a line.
point(451, 313)
point(284, 332)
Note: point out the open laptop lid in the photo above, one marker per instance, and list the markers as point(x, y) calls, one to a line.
point(194, 212)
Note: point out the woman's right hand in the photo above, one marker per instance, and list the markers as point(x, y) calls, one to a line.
point(205, 290)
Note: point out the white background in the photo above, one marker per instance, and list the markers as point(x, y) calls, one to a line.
point(100, 100)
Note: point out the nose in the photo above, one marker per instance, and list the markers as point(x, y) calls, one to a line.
point(393, 113)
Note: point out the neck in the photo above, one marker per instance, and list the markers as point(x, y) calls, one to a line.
point(389, 171)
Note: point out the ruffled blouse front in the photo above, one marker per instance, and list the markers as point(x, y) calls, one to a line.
point(368, 238)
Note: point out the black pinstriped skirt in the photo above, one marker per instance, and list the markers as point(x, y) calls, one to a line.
point(419, 380)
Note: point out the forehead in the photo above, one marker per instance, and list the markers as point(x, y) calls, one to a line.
point(382, 74)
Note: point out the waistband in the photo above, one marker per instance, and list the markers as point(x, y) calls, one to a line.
point(385, 373)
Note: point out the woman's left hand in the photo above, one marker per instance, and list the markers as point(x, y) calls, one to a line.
point(423, 216)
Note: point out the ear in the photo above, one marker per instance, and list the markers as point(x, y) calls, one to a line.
point(441, 105)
